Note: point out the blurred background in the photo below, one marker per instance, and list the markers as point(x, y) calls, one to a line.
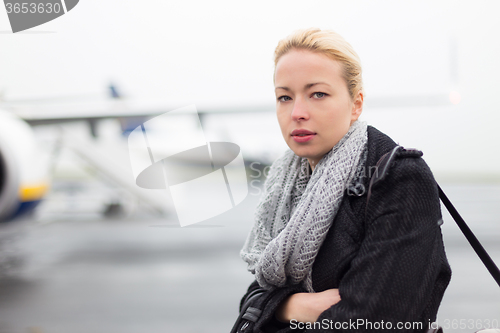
point(83, 249)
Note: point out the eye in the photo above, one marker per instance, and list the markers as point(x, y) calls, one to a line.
point(319, 95)
point(284, 98)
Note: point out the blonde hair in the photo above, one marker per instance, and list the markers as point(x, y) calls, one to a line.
point(330, 44)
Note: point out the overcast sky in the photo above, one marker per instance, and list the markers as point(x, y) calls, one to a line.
point(220, 53)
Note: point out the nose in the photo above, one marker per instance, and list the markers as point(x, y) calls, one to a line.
point(299, 111)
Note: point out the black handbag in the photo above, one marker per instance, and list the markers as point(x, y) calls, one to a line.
point(251, 310)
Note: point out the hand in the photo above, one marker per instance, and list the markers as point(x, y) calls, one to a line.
point(306, 307)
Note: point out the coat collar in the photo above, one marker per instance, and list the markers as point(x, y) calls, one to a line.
point(378, 144)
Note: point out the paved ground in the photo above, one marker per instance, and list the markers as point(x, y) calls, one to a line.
point(89, 275)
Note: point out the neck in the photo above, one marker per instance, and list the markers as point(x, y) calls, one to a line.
point(312, 164)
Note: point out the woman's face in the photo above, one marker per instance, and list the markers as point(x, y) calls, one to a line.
point(313, 104)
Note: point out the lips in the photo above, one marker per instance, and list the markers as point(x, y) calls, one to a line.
point(302, 132)
point(302, 135)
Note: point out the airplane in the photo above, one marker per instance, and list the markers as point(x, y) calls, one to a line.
point(24, 180)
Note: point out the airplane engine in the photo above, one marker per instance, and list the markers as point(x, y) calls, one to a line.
point(23, 175)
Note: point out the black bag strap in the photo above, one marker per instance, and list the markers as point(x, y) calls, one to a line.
point(384, 164)
point(474, 242)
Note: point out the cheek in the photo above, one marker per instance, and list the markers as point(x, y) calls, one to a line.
point(283, 117)
point(282, 122)
point(336, 123)
point(340, 116)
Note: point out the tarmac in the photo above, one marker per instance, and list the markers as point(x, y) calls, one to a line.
point(81, 273)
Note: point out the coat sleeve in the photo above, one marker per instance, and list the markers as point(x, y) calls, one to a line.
point(393, 278)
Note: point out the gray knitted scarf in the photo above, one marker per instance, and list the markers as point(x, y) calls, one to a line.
point(296, 210)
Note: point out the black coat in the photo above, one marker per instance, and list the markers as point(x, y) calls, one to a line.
point(386, 257)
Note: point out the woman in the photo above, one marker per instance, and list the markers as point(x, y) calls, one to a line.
point(330, 255)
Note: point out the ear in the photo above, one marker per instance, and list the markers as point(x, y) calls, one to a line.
point(357, 107)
